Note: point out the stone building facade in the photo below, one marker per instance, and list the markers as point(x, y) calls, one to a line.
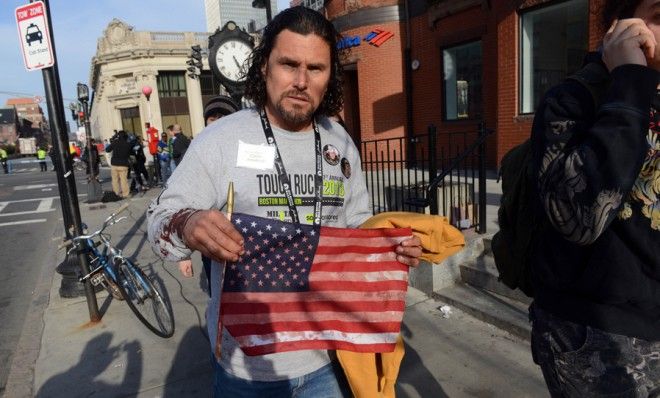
point(126, 61)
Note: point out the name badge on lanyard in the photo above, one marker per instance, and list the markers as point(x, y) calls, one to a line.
point(259, 157)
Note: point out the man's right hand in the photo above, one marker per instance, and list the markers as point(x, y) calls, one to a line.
point(210, 232)
point(628, 41)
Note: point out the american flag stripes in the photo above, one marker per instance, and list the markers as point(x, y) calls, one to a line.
point(299, 287)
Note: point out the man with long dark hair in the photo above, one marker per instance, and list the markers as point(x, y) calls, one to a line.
point(596, 265)
point(294, 81)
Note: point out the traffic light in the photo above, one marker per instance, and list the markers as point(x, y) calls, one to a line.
point(195, 64)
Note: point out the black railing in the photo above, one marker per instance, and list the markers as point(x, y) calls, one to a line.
point(439, 173)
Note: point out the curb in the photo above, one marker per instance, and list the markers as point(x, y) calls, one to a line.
point(20, 381)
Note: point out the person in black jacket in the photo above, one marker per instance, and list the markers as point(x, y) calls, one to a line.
point(596, 265)
point(139, 169)
point(180, 144)
point(119, 162)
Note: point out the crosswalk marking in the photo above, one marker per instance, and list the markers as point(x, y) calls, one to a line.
point(4, 224)
point(28, 200)
point(35, 186)
point(45, 205)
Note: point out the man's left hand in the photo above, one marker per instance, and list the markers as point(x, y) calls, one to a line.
point(409, 251)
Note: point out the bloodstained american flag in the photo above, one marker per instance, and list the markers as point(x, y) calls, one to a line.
point(299, 287)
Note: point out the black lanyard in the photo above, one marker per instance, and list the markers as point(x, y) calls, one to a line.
point(284, 177)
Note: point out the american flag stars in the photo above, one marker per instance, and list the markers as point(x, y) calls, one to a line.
point(272, 261)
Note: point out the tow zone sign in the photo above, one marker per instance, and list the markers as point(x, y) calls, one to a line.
point(34, 36)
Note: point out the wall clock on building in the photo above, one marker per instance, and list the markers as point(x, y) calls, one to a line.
point(229, 51)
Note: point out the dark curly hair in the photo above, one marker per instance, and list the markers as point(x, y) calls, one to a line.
point(304, 21)
point(617, 9)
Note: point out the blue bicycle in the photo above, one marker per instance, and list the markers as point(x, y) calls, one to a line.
point(123, 279)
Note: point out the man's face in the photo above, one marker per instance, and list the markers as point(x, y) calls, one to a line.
point(297, 73)
point(163, 137)
point(649, 12)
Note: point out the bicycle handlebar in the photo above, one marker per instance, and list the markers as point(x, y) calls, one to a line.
point(68, 242)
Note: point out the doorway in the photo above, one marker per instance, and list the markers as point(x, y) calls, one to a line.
point(351, 113)
point(130, 120)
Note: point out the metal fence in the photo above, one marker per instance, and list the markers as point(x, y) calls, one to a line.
point(435, 173)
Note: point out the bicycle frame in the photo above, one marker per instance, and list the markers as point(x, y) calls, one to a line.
point(106, 258)
point(123, 279)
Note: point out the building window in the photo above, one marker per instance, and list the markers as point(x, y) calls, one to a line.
point(553, 45)
point(173, 101)
point(462, 67)
point(171, 84)
point(209, 84)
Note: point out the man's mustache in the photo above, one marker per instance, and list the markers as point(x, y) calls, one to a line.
point(296, 93)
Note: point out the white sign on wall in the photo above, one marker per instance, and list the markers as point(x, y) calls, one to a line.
point(34, 36)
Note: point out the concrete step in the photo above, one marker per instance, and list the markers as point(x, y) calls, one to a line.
point(503, 312)
point(482, 273)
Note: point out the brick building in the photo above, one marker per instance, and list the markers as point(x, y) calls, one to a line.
point(8, 124)
point(28, 109)
point(456, 63)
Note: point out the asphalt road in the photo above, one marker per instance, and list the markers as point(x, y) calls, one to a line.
point(30, 218)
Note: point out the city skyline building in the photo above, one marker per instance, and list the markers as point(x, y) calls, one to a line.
point(316, 5)
point(219, 12)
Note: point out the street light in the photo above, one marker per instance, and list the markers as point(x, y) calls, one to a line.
point(83, 92)
point(263, 4)
point(94, 192)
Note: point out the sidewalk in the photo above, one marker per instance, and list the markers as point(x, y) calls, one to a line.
point(61, 354)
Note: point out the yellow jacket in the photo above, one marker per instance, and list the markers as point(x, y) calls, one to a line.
point(373, 375)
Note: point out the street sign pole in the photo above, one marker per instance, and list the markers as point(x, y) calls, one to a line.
point(63, 166)
point(94, 192)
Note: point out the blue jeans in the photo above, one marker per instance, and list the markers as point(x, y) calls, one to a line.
point(327, 382)
point(165, 171)
point(582, 361)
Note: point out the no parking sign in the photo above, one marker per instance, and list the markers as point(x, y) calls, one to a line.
point(34, 36)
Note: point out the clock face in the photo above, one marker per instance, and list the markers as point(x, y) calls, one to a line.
point(231, 59)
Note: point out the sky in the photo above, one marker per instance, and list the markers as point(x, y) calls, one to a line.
point(76, 27)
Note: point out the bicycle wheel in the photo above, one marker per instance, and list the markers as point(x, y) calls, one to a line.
point(144, 299)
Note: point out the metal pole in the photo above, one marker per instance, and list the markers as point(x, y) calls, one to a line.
point(433, 168)
point(66, 178)
point(269, 13)
point(93, 187)
point(482, 180)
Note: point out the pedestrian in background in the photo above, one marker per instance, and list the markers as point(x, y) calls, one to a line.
point(295, 82)
point(96, 161)
point(120, 149)
point(164, 156)
point(3, 160)
point(596, 266)
point(180, 144)
point(140, 176)
point(51, 155)
point(41, 156)
point(152, 137)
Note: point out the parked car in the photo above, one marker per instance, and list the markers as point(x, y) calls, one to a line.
point(33, 33)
